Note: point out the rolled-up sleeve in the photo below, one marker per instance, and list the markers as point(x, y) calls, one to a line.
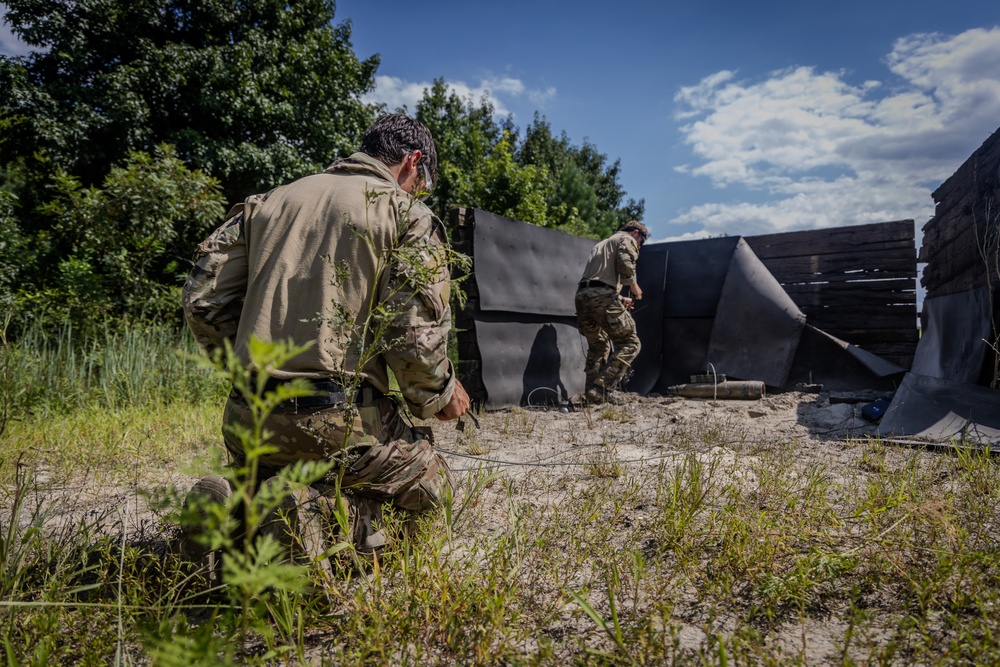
point(417, 294)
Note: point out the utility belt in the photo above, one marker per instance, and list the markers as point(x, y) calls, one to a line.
point(595, 283)
point(328, 393)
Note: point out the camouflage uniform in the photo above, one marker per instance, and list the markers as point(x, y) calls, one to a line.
point(317, 261)
point(612, 341)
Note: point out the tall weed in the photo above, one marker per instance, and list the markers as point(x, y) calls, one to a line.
point(60, 371)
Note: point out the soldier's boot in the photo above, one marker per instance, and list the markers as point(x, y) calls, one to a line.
point(610, 379)
point(598, 395)
point(369, 535)
point(307, 524)
point(212, 489)
point(594, 395)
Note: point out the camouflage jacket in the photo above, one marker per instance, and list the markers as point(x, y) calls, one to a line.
point(612, 261)
point(346, 261)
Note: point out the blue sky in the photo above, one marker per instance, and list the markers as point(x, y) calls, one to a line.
point(728, 117)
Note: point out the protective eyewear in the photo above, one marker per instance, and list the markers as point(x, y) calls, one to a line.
point(428, 181)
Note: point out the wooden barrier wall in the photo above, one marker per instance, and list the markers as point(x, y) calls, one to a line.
point(965, 221)
point(961, 243)
point(857, 283)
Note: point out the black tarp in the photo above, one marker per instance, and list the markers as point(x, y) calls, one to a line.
point(526, 278)
point(938, 401)
point(713, 303)
point(940, 411)
point(952, 346)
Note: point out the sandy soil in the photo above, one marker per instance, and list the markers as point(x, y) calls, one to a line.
point(556, 447)
point(549, 450)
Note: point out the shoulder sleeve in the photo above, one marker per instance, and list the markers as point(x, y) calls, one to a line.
point(417, 299)
point(627, 254)
point(212, 296)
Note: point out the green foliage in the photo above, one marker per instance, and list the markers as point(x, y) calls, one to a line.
point(255, 93)
point(543, 179)
point(126, 245)
point(504, 187)
point(14, 251)
point(576, 207)
point(464, 135)
point(586, 197)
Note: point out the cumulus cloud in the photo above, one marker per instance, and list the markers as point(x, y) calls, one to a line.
point(397, 93)
point(823, 152)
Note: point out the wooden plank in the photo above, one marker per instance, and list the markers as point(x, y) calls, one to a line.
point(977, 209)
point(876, 336)
point(953, 260)
point(893, 348)
point(906, 283)
point(789, 277)
point(899, 260)
point(808, 300)
point(863, 320)
point(968, 280)
point(984, 159)
point(881, 235)
point(859, 323)
point(872, 287)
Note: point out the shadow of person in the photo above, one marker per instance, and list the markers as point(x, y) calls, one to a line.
point(541, 383)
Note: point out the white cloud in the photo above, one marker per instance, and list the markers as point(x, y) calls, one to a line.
point(828, 153)
point(395, 92)
point(10, 45)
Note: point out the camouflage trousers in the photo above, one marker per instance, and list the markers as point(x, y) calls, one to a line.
point(378, 455)
point(612, 341)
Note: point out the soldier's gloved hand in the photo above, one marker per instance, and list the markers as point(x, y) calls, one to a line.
point(627, 302)
point(457, 406)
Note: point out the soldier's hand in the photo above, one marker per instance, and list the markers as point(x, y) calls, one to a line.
point(457, 406)
point(628, 303)
point(636, 291)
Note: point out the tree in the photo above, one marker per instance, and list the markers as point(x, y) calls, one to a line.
point(129, 241)
point(586, 197)
point(504, 187)
point(464, 134)
point(13, 252)
point(255, 92)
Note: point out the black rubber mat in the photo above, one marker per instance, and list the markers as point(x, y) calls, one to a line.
point(935, 410)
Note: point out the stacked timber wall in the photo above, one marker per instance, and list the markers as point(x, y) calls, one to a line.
point(961, 243)
point(964, 223)
point(857, 283)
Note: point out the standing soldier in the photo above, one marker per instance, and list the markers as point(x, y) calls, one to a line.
point(602, 313)
point(320, 262)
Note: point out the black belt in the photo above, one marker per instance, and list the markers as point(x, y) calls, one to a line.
point(328, 393)
point(595, 283)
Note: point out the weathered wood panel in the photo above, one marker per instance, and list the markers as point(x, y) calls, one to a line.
point(818, 268)
point(967, 204)
point(967, 211)
point(960, 257)
point(857, 283)
point(971, 208)
point(874, 237)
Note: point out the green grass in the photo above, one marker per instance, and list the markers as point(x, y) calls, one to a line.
point(728, 551)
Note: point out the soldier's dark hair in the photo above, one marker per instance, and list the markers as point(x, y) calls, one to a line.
point(637, 226)
point(394, 136)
